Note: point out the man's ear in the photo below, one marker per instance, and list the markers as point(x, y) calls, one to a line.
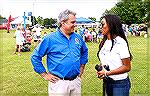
point(63, 23)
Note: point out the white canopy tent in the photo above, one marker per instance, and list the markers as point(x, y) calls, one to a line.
point(20, 20)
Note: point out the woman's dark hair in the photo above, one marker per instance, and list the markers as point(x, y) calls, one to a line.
point(115, 28)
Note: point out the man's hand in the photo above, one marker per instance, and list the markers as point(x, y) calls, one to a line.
point(82, 66)
point(50, 77)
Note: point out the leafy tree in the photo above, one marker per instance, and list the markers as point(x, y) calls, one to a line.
point(147, 15)
point(106, 12)
point(33, 20)
point(92, 18)
point(40, 20)
point(49, 22)
point(1, 17)
point(132, 11)
point(46, 22)
point(53, 21)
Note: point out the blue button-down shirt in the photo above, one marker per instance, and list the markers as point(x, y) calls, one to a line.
point(64, 55)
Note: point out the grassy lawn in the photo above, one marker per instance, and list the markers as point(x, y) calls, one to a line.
point(19, 79)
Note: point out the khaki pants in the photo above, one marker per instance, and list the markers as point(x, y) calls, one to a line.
point(65, 88)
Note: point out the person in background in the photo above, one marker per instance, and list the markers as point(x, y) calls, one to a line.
point(45, 33)
point(28, 32)
point(99, 36)
point(37, 31)
point(82, 32)
point(115, 54)
point(67, 55)
point(29, 39)
point(93, 35)
point(19, 40)
point(35, 38)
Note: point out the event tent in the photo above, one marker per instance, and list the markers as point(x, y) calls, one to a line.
point(20, 20)
point(83, 20)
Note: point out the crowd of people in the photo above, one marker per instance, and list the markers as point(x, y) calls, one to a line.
point(24, 38)
point(135, 29)
point(89, 35)
point(67, 55)
point(93, 35)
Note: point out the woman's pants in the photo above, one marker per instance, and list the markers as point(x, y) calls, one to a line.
point(117, 87)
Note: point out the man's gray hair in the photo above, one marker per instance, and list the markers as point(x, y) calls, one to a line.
point(63, 16)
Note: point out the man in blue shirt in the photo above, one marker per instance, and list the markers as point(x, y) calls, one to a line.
point(67, 55)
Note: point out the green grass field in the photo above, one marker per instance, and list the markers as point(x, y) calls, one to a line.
point(19, 79)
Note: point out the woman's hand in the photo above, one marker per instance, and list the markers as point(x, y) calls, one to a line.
point(102, 74)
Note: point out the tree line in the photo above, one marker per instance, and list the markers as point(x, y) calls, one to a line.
point(47, 22)
point(132, 11)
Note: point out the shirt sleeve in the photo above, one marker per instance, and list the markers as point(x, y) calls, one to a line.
point(123, 50)
point(84, 54)
point(38, 53)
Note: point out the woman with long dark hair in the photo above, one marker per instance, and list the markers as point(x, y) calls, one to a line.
point(114, 53)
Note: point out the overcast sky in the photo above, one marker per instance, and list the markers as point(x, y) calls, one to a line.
point(52, 8)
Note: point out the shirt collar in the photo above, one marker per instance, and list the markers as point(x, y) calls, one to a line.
point(61, 33)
